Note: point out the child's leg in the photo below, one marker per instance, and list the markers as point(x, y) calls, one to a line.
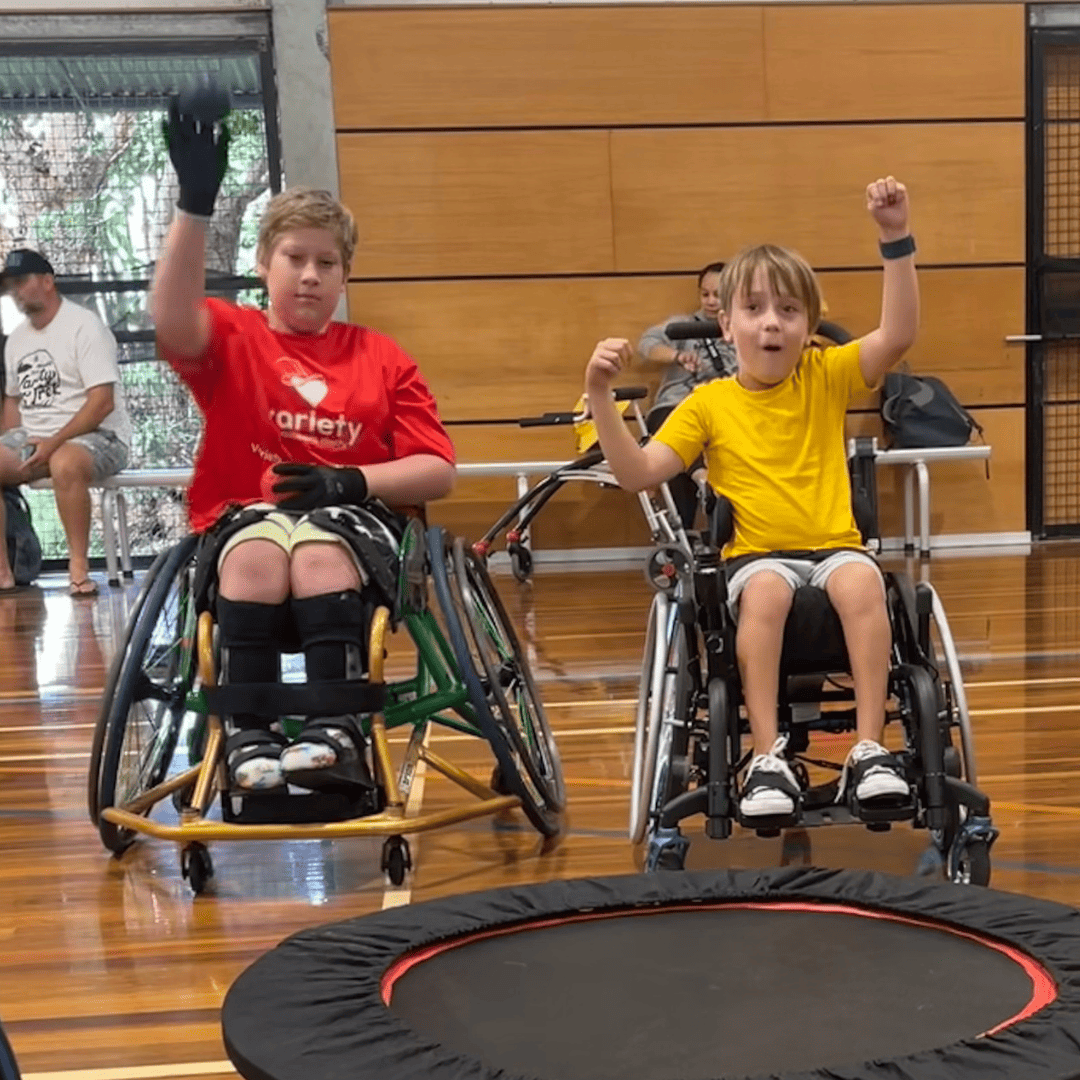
point(856, 592)
point(764, 604)
point(332, 625)
point(764, 592)
point(253, 588)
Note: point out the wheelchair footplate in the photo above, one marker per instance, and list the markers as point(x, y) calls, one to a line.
point(291, 808)
point(818, 806)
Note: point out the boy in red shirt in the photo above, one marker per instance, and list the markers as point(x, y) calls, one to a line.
point(315, 415)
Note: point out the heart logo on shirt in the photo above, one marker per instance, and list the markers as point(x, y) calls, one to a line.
point(311, 390)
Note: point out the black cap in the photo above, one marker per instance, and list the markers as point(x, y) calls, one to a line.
point(21, 261)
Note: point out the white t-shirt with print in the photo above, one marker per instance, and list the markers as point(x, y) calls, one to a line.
point(50, 370)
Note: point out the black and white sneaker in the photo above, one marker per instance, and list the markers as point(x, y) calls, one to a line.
point(770, 788)
point(872, 774)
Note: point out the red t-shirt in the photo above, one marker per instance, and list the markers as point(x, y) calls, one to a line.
point(349, 397)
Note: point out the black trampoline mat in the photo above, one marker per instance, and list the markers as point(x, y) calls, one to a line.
point(708, 992)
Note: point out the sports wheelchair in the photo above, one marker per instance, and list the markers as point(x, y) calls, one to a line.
point(659, 509)
point(689, 724)
point(470, 676)
point(661, 513)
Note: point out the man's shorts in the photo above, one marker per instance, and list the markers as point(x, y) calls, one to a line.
point(108, 453)
point(796, 568)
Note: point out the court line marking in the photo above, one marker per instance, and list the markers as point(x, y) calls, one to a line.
point(400, 895)
point(139, 1072)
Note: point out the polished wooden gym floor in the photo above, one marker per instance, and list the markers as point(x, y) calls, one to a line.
point(111, 970)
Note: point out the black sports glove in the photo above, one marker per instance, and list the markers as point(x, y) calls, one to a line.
point(312, 486)
point(198, 145)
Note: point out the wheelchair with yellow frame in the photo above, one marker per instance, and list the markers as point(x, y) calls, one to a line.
point(690, 723)
point(470, 676)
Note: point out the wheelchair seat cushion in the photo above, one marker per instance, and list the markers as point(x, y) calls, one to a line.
point(813, 635)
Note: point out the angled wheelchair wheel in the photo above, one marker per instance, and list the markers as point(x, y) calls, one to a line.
point(671, 775)
point(143, 708)
point(503, 695)
point(647, 720)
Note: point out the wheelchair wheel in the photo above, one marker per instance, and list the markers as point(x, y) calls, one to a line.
point(143, 709)
point(647, 720)
point(675, 716)
point(501, 688)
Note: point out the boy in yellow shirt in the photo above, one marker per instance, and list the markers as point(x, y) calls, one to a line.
point(773, 441)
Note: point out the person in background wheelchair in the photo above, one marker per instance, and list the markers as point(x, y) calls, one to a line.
point(307, 420)
point(773, 441)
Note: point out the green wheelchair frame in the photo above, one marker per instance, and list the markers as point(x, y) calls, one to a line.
point(471, 677)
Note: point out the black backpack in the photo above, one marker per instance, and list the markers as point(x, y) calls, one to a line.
point(921, 411)
point(23, 545)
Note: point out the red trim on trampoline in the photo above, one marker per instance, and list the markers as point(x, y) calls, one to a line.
point(1044, 989)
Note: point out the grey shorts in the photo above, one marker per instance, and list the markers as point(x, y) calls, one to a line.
point(796, 571)
point(109, 454)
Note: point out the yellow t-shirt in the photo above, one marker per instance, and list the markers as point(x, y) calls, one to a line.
point(778, 454)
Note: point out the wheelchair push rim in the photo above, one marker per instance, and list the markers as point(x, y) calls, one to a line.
point(528, 763)
point(140, 722)
point(647, 719)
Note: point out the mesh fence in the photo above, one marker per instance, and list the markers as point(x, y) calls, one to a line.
point(85, 179)
point(1059, 285)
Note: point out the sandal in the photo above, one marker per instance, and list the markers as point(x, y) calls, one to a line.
point(86, 589)
point(328, 755)
point(253, 760)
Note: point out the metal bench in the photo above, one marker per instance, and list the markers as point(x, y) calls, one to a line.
point(916, 462)
point(113, 505)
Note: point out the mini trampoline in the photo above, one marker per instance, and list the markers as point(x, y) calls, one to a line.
point(793, 973)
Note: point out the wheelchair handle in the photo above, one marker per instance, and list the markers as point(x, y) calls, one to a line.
point(557, 419)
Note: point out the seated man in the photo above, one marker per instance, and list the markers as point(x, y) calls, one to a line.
point(297, 407)
point(773, 440)
point(64, 414)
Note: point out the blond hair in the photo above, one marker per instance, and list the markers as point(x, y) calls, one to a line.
point(788, 274)
point(307, 208)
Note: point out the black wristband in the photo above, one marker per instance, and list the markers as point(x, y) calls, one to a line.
point(897, 249)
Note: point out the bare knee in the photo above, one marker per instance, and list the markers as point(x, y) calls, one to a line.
point(764, 602)
point(70, 466)
point(256, 571)
point(320, 567)
point(855, 590)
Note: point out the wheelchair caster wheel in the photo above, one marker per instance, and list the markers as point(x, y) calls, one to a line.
point(971, 864)
point(667, 851)
point(497, 783)
point(879, 826)
point(196, 866)
point(521, 561)
point(396, 860)
point(665, 567)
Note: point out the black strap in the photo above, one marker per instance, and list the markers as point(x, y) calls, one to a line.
point(331, 698)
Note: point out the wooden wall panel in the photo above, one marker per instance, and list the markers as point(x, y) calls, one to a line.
point(558, 66)
point(514, 347)
point(966, 315)
point(737, 186)
point(553, 66)
point(894, 61)
point(439, 205)
point(519, 347)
